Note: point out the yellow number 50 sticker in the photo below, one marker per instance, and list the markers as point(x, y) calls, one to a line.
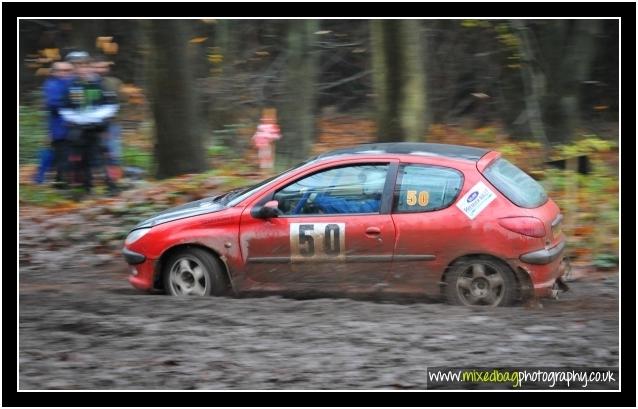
point(422, 198)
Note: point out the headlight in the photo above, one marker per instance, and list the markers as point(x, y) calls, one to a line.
point(135, 235)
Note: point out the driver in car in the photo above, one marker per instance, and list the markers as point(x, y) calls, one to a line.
point(337, 205)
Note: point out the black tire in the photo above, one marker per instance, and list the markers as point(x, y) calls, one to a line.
point(194, 271)
point(492, 285)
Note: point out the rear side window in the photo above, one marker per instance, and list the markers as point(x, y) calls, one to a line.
point(516, 185)
point(422, 188)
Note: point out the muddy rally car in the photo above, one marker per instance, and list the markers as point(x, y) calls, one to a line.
point(409, 218)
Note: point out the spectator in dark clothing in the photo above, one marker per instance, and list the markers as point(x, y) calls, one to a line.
point(55, 89)
point(112, 138)
point(88, 108)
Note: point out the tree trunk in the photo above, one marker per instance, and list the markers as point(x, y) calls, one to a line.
point(179, 147)
point(224, 44)
point(399, 79)
point(386, 78)
point(533, 84)
point(414, 118)
point(128, 64)
point(553, 82)
point(297, 109)
point(576, 68)
point(226, 41)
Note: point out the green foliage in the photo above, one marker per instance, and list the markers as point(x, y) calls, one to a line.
point(469, 23)
point(530, 145)
point(590, 204)
point(606, 261)
point(42, 195)
point(136, 157)
point(485, 134)
point(234, 182)
point(33, 134)
point(504, 34)
point(218, 150)
point(228, 142)
point(510, 150)
point(556, 179)
point(509, 40)
point(203, 177)
point(476, 23)
point(230, 168)
point(587, 145)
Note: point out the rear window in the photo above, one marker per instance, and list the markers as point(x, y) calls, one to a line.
point(516, 185)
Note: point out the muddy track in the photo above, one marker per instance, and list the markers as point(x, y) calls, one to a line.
point(83, 327)
point(88, 330)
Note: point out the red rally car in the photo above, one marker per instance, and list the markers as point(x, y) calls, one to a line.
point(416, 218)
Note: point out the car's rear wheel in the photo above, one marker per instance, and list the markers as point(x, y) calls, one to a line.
point(480, 281)
point(194, 272)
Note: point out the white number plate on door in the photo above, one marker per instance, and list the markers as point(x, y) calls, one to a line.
point(317, 241)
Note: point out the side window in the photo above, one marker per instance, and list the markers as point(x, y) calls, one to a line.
point(422, 188)
point(350, 189)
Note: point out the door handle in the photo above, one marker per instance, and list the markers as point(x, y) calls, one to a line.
point(373, 231)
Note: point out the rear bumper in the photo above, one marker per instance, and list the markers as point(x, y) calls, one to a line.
point(544, 256)
point(544, 268)
point(550, 287)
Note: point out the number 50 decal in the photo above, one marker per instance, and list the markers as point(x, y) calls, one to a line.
point(422, 199)
point(317, 241)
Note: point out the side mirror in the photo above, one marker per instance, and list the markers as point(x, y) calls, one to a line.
point(267, 211)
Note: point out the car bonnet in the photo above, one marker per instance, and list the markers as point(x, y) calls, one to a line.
point(196, 208)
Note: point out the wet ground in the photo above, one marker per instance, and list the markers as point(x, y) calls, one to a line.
point(83, 327)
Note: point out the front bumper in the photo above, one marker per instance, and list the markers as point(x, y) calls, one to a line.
point(142, 274)
point(132, 257)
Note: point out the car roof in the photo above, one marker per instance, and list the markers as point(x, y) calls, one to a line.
point(411, 148)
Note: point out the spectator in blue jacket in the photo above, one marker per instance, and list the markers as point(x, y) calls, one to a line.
point(55, 90)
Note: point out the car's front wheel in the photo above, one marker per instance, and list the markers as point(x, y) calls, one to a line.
point(480, 282)
point(193, 271)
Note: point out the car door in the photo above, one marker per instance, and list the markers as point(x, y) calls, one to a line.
point(335, 229)
point(427, 226)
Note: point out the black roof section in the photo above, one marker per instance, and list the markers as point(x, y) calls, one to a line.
point(412, 148)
